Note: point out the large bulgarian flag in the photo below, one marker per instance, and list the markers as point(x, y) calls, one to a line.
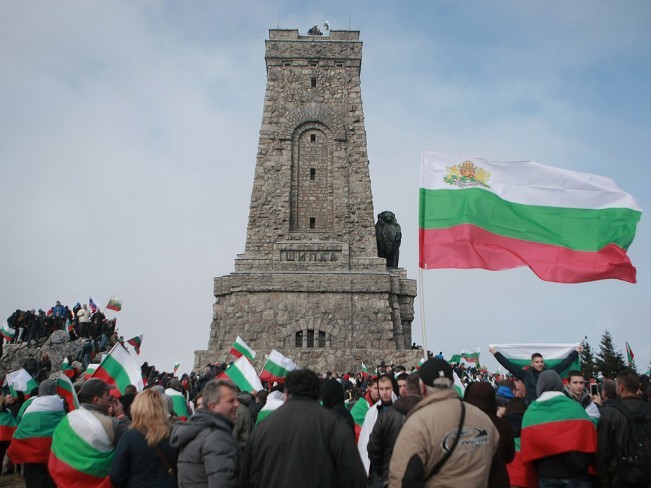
point(568, 227)
point(33, 438)
point(119, 368)
point(241, 348)
point(81, 452)
point(553, 354)
point(243, 375)
point(555, 424)
point(276, 367)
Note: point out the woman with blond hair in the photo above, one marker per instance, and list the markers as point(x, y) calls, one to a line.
point(143, 456)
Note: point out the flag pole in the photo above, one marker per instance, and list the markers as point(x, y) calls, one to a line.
point(422, 312)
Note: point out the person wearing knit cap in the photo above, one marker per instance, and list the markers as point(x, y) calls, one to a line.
point(420, 455)
point(558, 437)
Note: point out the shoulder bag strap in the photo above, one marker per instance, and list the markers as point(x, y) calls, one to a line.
point(170, 469)
point(447, 455)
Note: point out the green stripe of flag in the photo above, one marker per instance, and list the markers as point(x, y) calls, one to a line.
point(70, 448)
point(38, 424)
point(573, 228)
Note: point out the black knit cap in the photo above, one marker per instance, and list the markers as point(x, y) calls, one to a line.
point(435, 368)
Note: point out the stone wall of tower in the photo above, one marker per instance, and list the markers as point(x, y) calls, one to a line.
point(313, 89)
point(309, 282)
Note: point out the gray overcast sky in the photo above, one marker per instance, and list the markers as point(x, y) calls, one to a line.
point(129, 131)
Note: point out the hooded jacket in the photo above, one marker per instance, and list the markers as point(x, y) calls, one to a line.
point(332, 396)
point(209, 454)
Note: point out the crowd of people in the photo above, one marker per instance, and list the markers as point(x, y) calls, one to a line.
point(439, 425)
point(86, 321)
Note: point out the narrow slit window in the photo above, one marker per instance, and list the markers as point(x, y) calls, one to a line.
point(314, 82)
point(299, 339)
point(312, 223)
point(322, 338)
point(312, 137)
point(310, 337)
point(312, 174)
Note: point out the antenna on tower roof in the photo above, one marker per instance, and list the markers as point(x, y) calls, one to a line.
point(278, 26)
point(349, 19)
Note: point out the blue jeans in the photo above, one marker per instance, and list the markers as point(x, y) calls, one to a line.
point(575, 482)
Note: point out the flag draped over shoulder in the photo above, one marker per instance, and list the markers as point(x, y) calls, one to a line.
point(568, 227)
point(33, 438)
point(243, 375)
point(555, 424)
point(521, 474)
point(277, 367)
point(120, 369)
point(81, 452)
point(241, 348)
point(7, 425)
point(553, 354)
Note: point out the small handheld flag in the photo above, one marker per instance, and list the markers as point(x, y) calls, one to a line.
point(114, 304)
point(136, 342)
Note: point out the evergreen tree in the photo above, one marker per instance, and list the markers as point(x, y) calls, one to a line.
point(609, 361)
point(586, 358)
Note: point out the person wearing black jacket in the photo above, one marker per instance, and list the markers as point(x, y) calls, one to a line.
point(387, 427)
point(302, 444)
point(529, 376)
point(613, 434)
point(332, 397)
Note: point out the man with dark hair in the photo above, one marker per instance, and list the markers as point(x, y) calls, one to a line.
point(301, 443)
point(209, 454)
point(402, 384)
point(387, 390)
point(387, 427)
point(576, 390)
point(529, 376)
point(617, 465)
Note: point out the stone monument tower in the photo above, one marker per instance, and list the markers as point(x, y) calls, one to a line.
point(309, 282)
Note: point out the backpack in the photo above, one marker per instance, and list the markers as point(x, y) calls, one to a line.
point(634, 463)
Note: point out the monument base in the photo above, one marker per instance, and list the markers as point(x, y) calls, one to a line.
point(330, 320)
point(322, 360)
